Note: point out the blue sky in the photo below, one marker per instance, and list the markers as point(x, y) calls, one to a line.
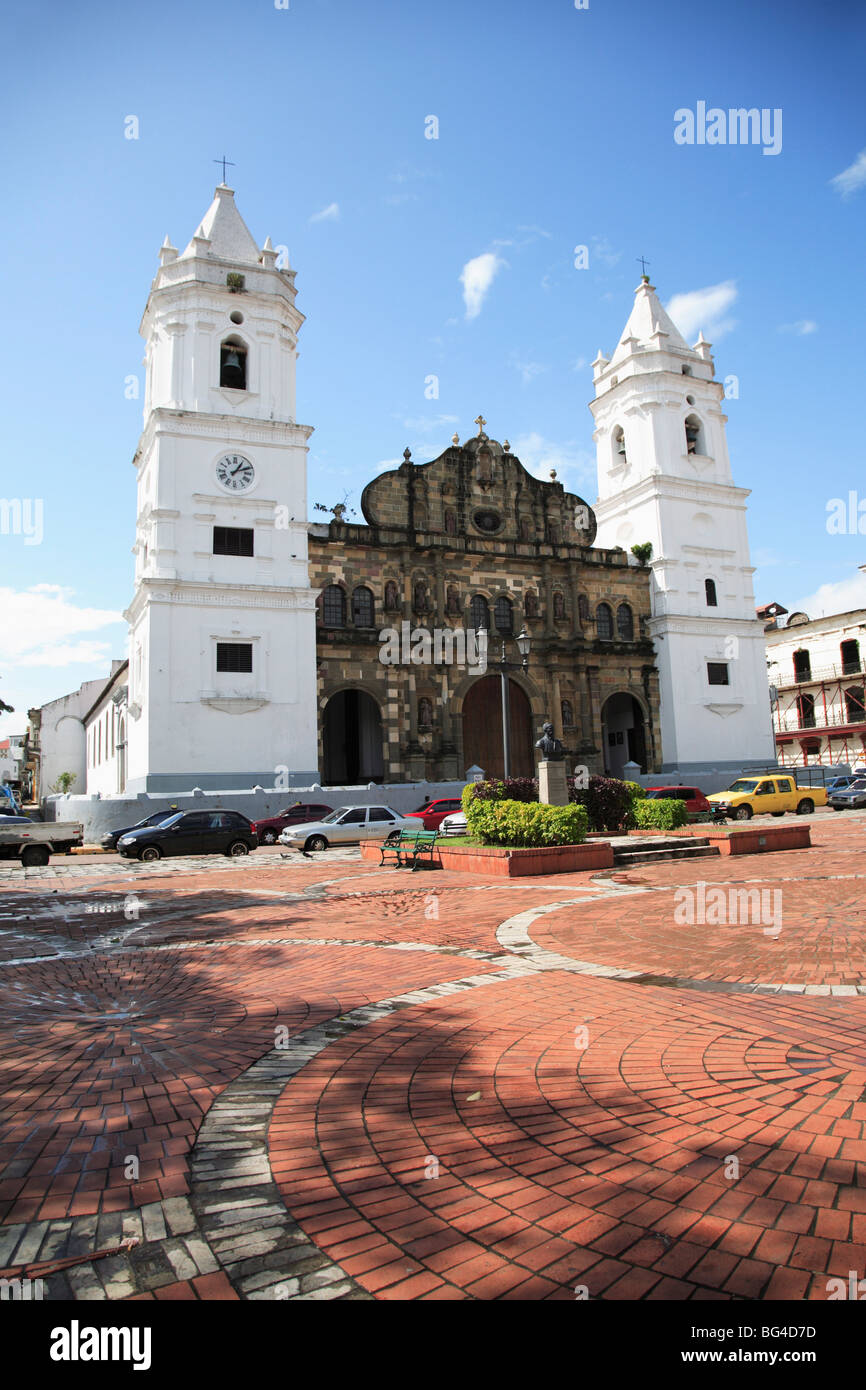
point(555, 129)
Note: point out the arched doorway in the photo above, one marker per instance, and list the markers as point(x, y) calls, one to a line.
point(623, 733)
point(482, 728)
point(352, 739)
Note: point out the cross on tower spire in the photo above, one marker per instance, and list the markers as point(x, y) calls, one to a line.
point(480, 422)
point(643, 262)
point(223, 161)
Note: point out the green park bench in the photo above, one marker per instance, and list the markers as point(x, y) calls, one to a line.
point(411, 846)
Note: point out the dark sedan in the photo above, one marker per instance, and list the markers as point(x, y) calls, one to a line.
point(269, 828)
point(191, 832)
point(850, 798)
point(110, 838)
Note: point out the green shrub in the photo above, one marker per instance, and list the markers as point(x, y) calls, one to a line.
point(523, 823)
point(659, 815)
point(608, 802)
point(636, 791)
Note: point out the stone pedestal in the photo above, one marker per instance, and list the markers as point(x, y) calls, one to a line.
point(552, 784)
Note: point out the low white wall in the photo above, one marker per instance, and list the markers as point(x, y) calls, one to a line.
point(99, 814)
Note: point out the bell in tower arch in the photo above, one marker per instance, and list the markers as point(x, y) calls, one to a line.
point(233, 366)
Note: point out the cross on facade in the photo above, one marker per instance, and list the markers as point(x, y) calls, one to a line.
point(480, 422)
point(643, 265)
point(224, 162)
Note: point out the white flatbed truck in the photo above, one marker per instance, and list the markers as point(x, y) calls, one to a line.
point(33, 841)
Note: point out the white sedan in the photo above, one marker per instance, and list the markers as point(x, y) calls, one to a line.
point(348, 825)
point(455, 824)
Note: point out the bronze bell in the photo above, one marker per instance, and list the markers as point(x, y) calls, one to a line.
point(233, 372)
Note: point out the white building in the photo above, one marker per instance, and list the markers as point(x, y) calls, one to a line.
point(105, 725)
point(816, 668)
point(664, 477)
point(57, 736)
point(222, 624)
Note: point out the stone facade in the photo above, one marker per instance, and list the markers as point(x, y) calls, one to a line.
point(445, 542)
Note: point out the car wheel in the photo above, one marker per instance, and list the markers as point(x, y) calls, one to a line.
point(806, 807)
point(838, 808)
point(34, 856)
point(743, 812)
point(149, 853)
point(237, 849)
point(269, 837)
point(317, 843)
point(393, 837)
point(777, 813)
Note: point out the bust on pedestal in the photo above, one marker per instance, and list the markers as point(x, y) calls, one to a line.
point(552, 784)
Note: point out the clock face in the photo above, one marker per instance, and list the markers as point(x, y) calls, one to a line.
point(235, 473)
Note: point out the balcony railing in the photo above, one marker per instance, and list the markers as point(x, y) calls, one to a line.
point(843, 671)
point(790, 723)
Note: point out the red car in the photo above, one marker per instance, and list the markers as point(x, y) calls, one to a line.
point(268, 831)
point(696, 802)
point(432, 813)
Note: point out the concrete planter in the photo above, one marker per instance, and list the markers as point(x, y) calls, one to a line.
point(746, 841)
point(516, 863)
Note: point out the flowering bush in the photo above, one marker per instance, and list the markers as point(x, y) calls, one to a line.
point(511, 789)
point(608, 802)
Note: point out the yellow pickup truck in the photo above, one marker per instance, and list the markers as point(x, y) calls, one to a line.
point(755, 796)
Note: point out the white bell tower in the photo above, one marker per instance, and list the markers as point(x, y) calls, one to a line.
point(222, 652)
point(664, 476)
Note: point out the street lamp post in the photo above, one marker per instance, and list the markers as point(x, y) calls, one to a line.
point(524, 641)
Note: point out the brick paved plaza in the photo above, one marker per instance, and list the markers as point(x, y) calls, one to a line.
point(293, 1078)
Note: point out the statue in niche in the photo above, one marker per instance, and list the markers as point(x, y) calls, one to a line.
point(530, 606)
point(452, 602)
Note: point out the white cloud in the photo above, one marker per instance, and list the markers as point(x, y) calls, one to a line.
point(851, 179)
point(329, 214)
point(528, 370)
point(426, 424)
point(575, 466)
point(704, 309)
point(839, 596)
point(39, 622)
point(801, 328)
point(476, 278)
point(603, 251)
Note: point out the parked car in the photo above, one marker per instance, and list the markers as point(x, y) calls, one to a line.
point(432, 813)
point(697, 805)
point(348, 825)
point(754, 796)
point(268, 829)
point(850, 798)
point(191, 832)
point(839, 784)
point(455, 824)
point(110, 838)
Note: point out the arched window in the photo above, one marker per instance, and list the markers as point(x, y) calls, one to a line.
point(452, 600)
point(334, 607)
point(530, 605)
point(425, 714)
point(625, 623)
point(391, 601)
point(806, 711)
point(850, 653)
point(604, 623)
point(854, 704)
point(619, 454)
point(694, 436)
point(687, 371)
point(558, 607)
point(479, 613)
point(583, 608)
point(567, 715)
point(710, 591)
point(362, 607)
point(802, 665)
point(503, 616)
point(113, 735)
point(99, 742)
point(233, 364)
point(450, 521)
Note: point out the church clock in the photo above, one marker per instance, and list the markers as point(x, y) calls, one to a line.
point(235, 473)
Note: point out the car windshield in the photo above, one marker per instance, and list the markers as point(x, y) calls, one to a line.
point(335, 815)
point(743, 784)
point(173, 820)
point(427, 805)
point(858, 786)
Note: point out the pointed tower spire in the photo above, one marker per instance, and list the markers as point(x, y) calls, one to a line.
point(222, 227)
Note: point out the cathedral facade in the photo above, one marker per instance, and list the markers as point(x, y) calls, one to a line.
point(471, 542)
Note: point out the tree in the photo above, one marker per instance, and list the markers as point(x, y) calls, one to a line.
point(643, 553)
point(63, 783)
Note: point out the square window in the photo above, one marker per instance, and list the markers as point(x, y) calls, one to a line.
point(234, 656)
point(717, 673)
point(233, 540)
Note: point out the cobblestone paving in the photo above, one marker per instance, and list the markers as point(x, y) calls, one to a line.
point(313, 1079)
